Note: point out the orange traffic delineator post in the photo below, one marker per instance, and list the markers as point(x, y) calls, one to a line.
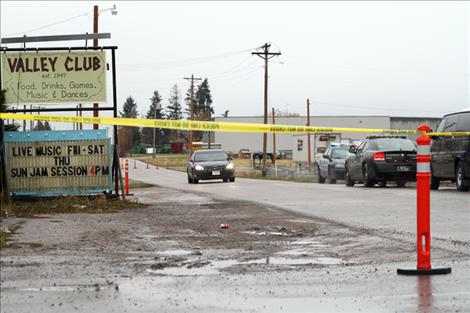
point(127, 177)
point(423, 216)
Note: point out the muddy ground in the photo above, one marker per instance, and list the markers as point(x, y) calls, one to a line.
point(180, 235)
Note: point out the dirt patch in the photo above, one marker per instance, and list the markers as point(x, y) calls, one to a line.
point(72, 204)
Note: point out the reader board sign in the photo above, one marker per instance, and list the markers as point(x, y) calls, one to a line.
point(54, 77)
point(58, 162)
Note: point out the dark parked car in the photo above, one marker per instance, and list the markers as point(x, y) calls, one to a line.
point(210, 164)
point(381, 159)
point(331, 163)
point(450, 155)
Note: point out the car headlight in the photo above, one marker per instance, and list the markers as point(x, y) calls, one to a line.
point(199, 167)
point(230, 166)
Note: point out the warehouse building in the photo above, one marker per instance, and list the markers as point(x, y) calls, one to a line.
point(295, 145)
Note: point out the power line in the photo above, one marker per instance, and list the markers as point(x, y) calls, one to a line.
point(49, 25)
point(361, 68)
point(373, 108)
point(182, 62)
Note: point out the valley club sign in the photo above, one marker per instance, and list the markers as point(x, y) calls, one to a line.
point(54, 77)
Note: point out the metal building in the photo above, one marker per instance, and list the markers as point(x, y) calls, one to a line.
point(296, 144)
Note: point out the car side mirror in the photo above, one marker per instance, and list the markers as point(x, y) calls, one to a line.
point(352, 149)
point(327, 157)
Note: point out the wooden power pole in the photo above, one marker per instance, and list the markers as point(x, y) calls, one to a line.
point(192, 79)
point(274, 138)
point(309, 157)
point(95, 45)
point(265, 55)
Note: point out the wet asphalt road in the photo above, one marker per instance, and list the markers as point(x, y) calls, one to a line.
point(370, 287)
point(389, 209)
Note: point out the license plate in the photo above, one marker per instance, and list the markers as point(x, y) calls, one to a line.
point(403, 168)
point(215, 173)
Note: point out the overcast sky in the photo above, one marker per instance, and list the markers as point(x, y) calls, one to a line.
point(350, 58)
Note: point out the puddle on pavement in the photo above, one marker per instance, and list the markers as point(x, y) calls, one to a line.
point(266, 233)
point(311, 242)
point(216, 266)
point(176, 252)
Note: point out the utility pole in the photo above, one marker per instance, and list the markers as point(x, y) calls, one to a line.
point(209, 133)
point(274, 138)
point(309, 158)
point(192, 79)
point(95, 45)
point(265, 55)
point(157, 107)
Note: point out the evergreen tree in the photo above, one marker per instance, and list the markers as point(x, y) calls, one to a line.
point(155, 112)
point(3, 107)
point(129, 110)
point(174, 112)
point(174, 109)
point(42, 126)
point(203, 108)
point(203, 100)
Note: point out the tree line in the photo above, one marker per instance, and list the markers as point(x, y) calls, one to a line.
point(203, 109)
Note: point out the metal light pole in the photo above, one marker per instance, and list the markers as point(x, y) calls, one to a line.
point(96, 14)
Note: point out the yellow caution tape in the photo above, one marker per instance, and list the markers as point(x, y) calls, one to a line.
point(452, 134)
point(198, 125)
point(208, 126)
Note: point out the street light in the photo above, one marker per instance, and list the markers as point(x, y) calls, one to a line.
point(96, 13)
point(113, 10)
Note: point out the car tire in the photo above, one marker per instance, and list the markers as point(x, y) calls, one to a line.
point(349, 180)
point(331, 180)
point(368, 180)
point(459, 178)
point(435, 182)
point(195, 181)
point(383, 183)
point(232, 179)
point(401, 183)
point(225, 180)
point(321, 179)
point(190, 180)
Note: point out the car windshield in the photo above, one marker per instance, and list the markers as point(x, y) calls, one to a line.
point(388, 144)
point(341, 153)
point(210, 156)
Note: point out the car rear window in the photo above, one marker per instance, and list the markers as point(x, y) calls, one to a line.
point(389, 144)
point(210, 156)
point(340, 153)
point(463, 124)
point(451, 123)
